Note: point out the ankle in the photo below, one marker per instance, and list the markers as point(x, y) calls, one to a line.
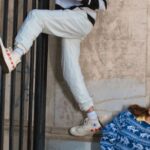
point(19, 52)
point(92, 115)
point(16, 57)
point(90, 109)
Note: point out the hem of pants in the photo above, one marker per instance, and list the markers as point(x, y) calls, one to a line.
point(86, 106)
point(19, 44)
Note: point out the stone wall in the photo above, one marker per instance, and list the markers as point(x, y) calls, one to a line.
point(115, 60)
point(115, 63)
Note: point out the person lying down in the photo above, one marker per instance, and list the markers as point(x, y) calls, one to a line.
point(129, 130)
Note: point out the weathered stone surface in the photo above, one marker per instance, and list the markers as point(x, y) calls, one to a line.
point(148, 41)
point(63, 110)
point(117, 105)
point(116, 88)
point(115, 60)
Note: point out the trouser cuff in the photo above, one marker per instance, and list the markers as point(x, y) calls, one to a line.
point(86, 106)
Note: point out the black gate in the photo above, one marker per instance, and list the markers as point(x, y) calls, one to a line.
point(37, 85)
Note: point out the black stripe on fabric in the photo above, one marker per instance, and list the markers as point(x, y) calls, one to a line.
point(58, 7)
point(93, 5)
point(91, 19)
point(105, 2)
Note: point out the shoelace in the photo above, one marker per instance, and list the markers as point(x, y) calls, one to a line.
point(8, 52)
point(85, 123)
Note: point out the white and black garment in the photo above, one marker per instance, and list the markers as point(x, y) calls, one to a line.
point(68, 3)
point(89, 6)
point(93, 4)
point(72, 26)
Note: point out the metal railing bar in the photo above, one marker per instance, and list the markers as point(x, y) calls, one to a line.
point(38, 127)
point(13, 81)
point(22, 98)
point(3, 76)
point(40, 79)
point(40, 92)
point(31, 88)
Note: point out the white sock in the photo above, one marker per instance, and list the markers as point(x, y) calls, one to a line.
point(16, 57)
point(19, 52)
point(92, 115)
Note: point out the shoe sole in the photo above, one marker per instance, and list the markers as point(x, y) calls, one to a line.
point(3, 61)
point(90, 134)
point(96, 132)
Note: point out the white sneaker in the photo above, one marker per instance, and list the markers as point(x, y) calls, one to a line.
point(8, 60)
point(89, 127)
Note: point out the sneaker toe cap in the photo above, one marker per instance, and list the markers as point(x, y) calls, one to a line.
point(73, 131)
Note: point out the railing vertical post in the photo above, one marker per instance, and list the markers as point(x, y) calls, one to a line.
point(22, 97)
point(3, 77)
point(13, 81)
point(31, 91)
point(40, 87)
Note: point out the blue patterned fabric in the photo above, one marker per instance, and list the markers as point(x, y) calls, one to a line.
point(124, 132)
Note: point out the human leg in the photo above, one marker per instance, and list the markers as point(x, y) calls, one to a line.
point(62, 23)
point(72, 72)
point(73, 76)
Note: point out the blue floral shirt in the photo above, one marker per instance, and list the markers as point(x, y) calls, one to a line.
point(124, 132)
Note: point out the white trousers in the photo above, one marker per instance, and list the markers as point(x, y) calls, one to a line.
point(72, 26)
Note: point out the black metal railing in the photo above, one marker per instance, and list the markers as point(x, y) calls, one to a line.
point(37, 86)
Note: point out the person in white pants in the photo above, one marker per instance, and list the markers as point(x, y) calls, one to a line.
point(72, 21)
